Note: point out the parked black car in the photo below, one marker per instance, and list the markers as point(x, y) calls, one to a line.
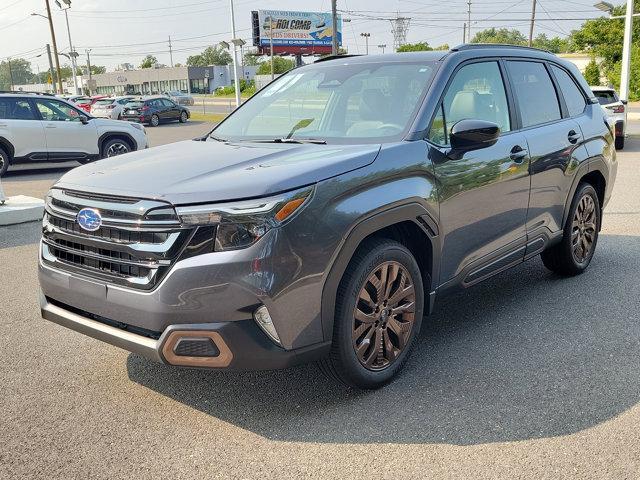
point(154, 111)
point(328, 214)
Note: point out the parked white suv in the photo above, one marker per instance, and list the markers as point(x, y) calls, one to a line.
point(615, 109)
point(110, 107)
point(45, 128)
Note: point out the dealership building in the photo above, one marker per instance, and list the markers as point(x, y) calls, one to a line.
point(148, 81)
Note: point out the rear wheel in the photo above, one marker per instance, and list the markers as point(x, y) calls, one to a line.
point(154, 121)
point(573, 254)
point(115, 147)
point(183, 117)
point(619, 143)
point(4, 162)
point(378, 315)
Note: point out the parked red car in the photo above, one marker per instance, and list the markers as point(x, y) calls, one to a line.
point(85, 102)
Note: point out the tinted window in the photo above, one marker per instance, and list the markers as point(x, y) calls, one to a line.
point(476, 92)
point(572, 95)
point(168, 103)
point(605, 97)
point(15, 109)
point(52, 110)
point(535, 93)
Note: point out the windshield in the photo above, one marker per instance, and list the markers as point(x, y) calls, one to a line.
point(134, 104)
point(359, 102)
point(605, 97)
point(176, 94)
point(106, 101)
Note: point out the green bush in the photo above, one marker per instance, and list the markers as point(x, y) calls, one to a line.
point(592, 73)
point(247, 88)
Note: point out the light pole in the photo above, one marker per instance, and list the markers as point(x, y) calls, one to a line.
point(626, 43)
point(236, 42)
point(382, 46)
point(53, 41)
point(366, 40)
point(334, 26)
point(72, 52)
point(236, 80)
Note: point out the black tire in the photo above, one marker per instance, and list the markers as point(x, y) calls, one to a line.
point(4, 161)
point(154, 121)
point(184, 116)
point(563, 258)
point(620, 143)
point(343, 363)
point(114, 147)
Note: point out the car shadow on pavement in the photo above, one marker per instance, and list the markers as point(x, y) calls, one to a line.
point(524, 355)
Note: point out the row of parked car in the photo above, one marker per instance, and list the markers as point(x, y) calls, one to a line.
point(151, 110)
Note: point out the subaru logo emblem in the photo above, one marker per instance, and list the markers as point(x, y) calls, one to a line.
point(89, 219)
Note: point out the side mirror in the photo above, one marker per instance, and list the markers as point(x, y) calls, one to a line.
point(468, 135)
point(84, 119)
point(624, 102)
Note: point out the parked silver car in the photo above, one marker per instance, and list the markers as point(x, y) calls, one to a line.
point(615, 109)
point(110, 107)
point(180, 98)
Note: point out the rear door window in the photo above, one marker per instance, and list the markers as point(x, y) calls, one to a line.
point(535, 94)
point(16, 109)
point(573, 96)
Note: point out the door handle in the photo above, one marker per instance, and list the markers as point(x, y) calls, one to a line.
point(518, 154)
point(50, 126)
point(573, 137)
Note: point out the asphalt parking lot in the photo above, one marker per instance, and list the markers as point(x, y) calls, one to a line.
point(526, 375)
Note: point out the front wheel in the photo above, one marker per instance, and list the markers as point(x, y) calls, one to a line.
point(573, 254)
point(183, 117)
point(378, 315)
point(115, 147)
point(4, 162)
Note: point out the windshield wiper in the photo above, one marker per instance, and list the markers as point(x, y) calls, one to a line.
point(216, 138)
point(300, 140)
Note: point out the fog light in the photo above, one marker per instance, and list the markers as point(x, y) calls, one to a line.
point(263, 319)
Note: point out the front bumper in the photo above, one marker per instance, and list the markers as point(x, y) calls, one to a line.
point(239, 345)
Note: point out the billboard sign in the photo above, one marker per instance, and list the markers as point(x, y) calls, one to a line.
point(296, 29)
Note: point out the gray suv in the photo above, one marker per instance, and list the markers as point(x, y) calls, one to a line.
point(322, 219)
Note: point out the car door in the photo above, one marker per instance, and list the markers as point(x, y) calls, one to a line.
point(20, 125)
point(483, 193)
point(173, 111)
point(68, 138)
point(555, 143)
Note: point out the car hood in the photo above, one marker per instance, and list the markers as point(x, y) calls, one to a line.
point(197, 172)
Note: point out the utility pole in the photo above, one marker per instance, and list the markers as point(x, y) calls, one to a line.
point(89, 70)
point(55, 47)
point(271, 43)
point(366, 40)
point(469, 22)
point(53, 82)
point(533, 21)
point(334, 26)
point(382, 46)
point(626, 51)
point(72, 53)
point(236, 80)
point(464, 33)
point(170, 51)
point(10, 75)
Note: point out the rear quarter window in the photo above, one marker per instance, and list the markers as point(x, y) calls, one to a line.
point(573, 96)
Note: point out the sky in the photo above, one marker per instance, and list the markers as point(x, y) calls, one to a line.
point(119, 31)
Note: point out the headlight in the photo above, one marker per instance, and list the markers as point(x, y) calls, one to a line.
point(137, 125)
point(240, 224)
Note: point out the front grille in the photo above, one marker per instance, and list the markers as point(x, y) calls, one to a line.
point(137, 243)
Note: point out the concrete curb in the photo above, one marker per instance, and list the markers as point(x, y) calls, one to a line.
point(21, 209)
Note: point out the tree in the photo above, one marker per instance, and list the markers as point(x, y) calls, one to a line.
point(95, 69)
point(553, 45)
point(500, 35)
point(592, 73)
point(148, 62)
point(280, 65)
point(210, 56)
point(20, 72)
point(251, 60)
point(414, 47)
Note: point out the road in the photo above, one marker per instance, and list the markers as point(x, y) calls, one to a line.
point(524, 376)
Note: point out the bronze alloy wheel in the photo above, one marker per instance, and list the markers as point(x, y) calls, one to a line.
point(384, 316)
point(584, 229)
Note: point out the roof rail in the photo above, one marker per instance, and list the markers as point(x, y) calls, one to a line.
point(18, 92)
point(335, 57)
point(473, 46)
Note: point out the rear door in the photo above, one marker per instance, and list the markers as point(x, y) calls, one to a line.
point(21, 125)
point(555, 143)
point(483, 194)
point(172, 110)
point(67, 137)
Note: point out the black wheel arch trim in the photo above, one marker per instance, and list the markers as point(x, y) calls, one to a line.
point(106, 136)
point(372, 223)
point(594, 164)
point(8, 147)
